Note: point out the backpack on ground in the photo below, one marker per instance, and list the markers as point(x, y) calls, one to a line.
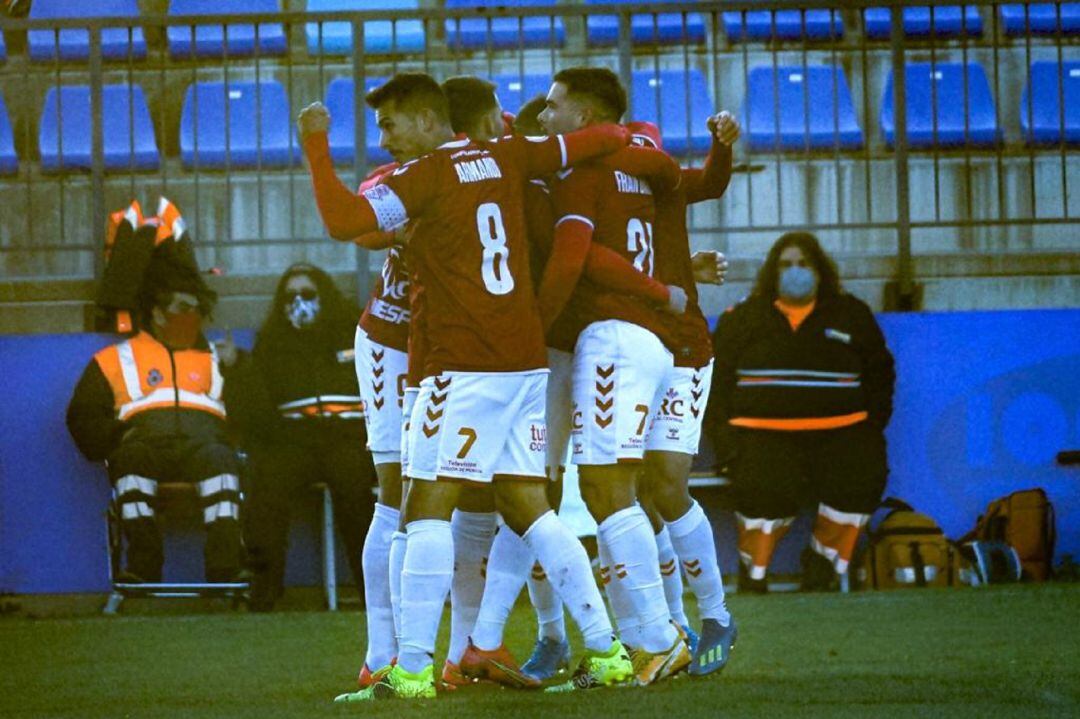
point(907, 548)
point(1025, 521)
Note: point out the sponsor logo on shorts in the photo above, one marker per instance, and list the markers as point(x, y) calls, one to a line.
point(575, 419)
point(671, 406)
point(537, 438)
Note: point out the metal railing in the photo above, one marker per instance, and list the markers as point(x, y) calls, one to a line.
point(879, 200)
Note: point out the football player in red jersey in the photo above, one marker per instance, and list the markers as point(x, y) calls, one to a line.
point(683, 531)
point(475, 112)
point(480, 409)
point(619, 366)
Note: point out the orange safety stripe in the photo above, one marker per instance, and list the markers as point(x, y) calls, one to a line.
point(756, 545)
point(799, 424)
point(132, 213)
point(171, 223)
point(835, 534)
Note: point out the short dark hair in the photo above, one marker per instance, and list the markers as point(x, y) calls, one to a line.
point(828, 276)
point(600, 85)
point(469, 98)
point(167, 273)
point(526, 122)
point(411, 91)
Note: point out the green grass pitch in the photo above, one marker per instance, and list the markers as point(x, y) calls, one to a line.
point(1011, 651)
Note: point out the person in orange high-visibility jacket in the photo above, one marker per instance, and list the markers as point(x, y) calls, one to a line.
point(151, 407)
point(802, 390)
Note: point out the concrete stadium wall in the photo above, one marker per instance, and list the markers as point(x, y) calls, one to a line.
point(984, 401)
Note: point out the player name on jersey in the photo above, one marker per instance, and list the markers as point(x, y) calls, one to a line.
point(484, 168)
point(631, 185)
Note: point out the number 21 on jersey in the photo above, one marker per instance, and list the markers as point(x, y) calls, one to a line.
point(494, 263)
point(639, 243)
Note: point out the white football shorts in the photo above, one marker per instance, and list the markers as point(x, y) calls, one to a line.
point(618, 378)
point(381, 372)
point(476, 425)
point(676, 423)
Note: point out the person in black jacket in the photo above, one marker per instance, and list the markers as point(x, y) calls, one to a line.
point(296, 406)
point(151, 407)
point(802, 390)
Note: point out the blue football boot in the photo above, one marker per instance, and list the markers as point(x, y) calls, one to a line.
point(548, 658)
point(714, 647)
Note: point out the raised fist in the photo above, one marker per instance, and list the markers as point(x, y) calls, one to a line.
point(724, 127)
point(313, 119)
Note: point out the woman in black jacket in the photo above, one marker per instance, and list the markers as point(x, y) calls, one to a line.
point(801, 393)
point(296, 406)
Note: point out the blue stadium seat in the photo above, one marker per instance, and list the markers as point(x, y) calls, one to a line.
point(814, 106)
point(662, 99)
point(937, 96)
point(1041, 18)
point(9, 161)
point(3, 50)
point(339, 101)
point(380, 37)
point(668, 29)
point(254, 119)
point(64, 135)
point(73, 44)
point(948, 21)
point(515, 90)
point(210, 41)
point(506, 32)
point(820, 25)
point(1049, 80)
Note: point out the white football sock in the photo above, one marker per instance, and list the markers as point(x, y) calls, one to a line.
point(618, 599)
point(397, 565)
point(632, 544)
point(671, 575)
point(508, 566)
point(549, 608)
point(473, 532)
point(567, 566)
point(425, 584)
point(381, 639)
point(692, 537)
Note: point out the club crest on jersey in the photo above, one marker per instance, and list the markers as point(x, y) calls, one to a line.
point(154, 378)
point(395, 286)
point(483, 168)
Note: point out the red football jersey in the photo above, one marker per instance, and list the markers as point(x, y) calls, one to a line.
point(471, 245)
point(387, 313)
point(690, 330)
point(562, 335)
point(386, 316)
point(621, 210)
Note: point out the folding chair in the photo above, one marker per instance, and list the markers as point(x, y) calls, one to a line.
point(171, 494)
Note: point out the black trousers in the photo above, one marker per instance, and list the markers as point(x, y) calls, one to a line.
point(142, 461)
point(280, 474)
point(775, 473)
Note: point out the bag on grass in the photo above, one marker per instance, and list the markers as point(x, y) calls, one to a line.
point(908, 549)
point(1025, 521)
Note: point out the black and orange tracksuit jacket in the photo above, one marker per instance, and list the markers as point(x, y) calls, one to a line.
point(833, 371)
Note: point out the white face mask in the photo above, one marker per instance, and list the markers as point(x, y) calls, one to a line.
point(302, 313)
